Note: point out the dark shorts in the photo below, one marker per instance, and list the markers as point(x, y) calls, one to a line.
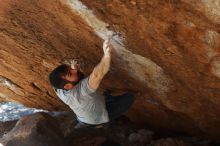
point(118, 105)
point(115, 105)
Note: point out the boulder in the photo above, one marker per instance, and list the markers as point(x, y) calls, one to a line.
point(39, 129)
point(165, 50)
point(169, 142)
point(6, 126)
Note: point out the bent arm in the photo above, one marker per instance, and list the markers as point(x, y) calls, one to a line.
point(102, 68)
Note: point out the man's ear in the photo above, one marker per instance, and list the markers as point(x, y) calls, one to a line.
point(68, 86)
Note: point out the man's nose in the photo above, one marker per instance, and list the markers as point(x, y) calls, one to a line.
point(73, 70)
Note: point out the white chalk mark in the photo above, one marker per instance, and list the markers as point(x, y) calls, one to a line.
point(3, 95)
point(211, 38)
point(212, 9)
point(215, 66)
point(4, 82)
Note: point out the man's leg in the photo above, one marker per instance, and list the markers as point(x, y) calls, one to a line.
point(117, 105)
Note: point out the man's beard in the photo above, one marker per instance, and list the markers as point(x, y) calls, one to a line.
point(80, 76)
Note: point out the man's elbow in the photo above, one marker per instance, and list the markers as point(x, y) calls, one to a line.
point(97, 74)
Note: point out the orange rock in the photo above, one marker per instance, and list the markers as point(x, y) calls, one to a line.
point(172, 59)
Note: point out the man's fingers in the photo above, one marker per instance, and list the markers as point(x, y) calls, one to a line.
point(107, 43)
point(107, 47)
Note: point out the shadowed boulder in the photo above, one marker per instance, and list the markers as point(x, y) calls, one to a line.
point(39, 129)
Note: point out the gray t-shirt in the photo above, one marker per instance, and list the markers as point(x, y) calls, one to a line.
point(88, 105)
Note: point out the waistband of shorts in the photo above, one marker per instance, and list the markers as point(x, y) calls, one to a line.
point(92, 125)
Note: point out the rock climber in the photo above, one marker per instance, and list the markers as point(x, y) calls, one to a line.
point(80, 93)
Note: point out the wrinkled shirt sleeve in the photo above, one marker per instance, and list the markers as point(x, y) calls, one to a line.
point(84, 87)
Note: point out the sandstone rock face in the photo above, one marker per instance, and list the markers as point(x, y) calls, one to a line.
point(38, 130)
point(167, 50)
point(169, 142)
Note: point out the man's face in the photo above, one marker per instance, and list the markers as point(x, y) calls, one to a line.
point(71, 76)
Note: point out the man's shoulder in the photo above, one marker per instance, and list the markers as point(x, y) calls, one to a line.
point(78, 90)
point(84, 86)
point(62, 92)
point(84, 80)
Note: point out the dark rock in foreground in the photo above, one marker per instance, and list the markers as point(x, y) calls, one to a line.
point(5, 127)
point(39, 129)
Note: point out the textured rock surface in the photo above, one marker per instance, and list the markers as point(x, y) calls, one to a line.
point(5, 127)
point(171, 56)
point(39, 129)
point(169, 142)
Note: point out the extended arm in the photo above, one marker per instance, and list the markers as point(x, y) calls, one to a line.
point(102, 68)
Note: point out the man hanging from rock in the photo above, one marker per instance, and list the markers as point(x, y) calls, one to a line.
point(80, 93)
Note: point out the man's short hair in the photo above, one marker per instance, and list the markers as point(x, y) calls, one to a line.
point(56, 76)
